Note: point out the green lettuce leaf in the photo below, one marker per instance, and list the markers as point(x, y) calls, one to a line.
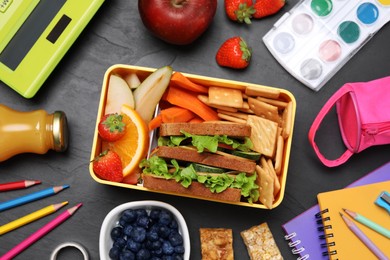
point(210, 143)
point(248, 186)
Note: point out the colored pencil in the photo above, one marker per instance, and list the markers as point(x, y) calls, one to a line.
point(31, 217)
point(368, 223)
point(31, 197)
point(366, 241)
point(17, 185)
point(40, 233)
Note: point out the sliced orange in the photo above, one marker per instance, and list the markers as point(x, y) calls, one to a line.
point(133, 146)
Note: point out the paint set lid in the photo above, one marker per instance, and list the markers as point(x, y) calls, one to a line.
point(317, 37)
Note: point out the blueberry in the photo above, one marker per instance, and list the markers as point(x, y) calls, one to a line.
point(128, 216)
point(114, 252)
point(155, 214)
point(155, 258)
point(141, 212)
point(168, 257)
point(177, 257)
point(154, 228)
point(127, 230)
point(174, 224)
point(143, 254)
point(127, 255)
point(152, 236)
point(143, 221)
point(116, 232)
point(164, 231)
point(179, 249)
point(138, 234)
point(175, 238)
point(120, 243)
point(155, 245)
point(165, 217)
point(133, 246)
point(157, 252)
point(167, 248)
point(122, 222)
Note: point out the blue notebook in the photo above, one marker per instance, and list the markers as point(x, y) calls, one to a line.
point(303, 232)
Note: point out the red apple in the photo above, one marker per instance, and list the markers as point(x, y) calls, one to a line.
point(178, 22)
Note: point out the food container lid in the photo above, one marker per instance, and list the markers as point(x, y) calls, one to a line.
point(60, 131)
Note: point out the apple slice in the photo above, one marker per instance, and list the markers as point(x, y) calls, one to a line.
point(132, 80)
point(149, 93)
point(118, 94)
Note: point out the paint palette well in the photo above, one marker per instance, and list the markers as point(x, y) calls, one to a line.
point(317, 37)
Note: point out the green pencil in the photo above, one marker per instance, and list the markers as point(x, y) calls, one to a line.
point(368, 223)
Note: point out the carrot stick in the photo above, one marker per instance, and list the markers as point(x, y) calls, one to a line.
point(155, 122)
point(196, 120)
point(176, 114)
point(184, 99)
point(182, 81)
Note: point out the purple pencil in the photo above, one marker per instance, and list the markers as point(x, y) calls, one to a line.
point(366, 241)
point(40, 233)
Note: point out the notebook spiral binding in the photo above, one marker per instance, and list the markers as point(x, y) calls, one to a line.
point(322, 222)
point(294, 245)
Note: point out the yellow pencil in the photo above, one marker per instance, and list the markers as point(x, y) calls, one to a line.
point(31, 217)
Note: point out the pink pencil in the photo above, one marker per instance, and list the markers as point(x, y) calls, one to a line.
point(17, 185)
point(40, 233)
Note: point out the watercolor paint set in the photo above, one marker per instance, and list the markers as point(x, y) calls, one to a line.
point(317, 37)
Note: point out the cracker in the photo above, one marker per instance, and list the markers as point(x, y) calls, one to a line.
point(216, 243)
point(280, 104)
point(205, 99)
point(266, 187)
point(231, 118)
point(246, 110)
point(234, 114)
point(263, 135)
point(245, 105)
point(269, 167)
point(287, 120)
point(263, 109)
point(225, 97)
point(262, 92)
point(260, 243)
point(279, 155)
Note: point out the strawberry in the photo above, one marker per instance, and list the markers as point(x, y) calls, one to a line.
point(111, 127)
point(239, 10)
point(267, 7)
point(108, 166)
point(234, 53)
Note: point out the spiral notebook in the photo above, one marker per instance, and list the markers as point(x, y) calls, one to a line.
point(302, 231)
point(342, 243)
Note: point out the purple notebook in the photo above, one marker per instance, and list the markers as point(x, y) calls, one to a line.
point(303, 232)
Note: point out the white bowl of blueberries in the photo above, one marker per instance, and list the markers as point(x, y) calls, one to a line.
point(144, 230)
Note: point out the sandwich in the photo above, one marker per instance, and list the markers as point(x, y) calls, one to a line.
point(212, 160)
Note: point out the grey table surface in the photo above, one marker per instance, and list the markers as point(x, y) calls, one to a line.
point(116, 35)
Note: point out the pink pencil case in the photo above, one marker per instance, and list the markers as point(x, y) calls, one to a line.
point(363, 110)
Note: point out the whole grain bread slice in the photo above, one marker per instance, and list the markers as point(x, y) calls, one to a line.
point(196, 189)
point(191, 155)
point(206, 128)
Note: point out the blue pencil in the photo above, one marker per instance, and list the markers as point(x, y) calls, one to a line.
point(31, 197)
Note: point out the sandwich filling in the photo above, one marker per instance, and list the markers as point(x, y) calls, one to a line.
point(185, 171)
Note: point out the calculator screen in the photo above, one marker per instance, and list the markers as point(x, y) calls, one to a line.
point(30, 31)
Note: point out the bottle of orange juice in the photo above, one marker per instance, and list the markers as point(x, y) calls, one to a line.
point(31, 132)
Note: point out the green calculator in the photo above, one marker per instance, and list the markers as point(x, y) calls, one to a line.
point(35, 35)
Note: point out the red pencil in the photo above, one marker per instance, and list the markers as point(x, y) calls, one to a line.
point(17, 185)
